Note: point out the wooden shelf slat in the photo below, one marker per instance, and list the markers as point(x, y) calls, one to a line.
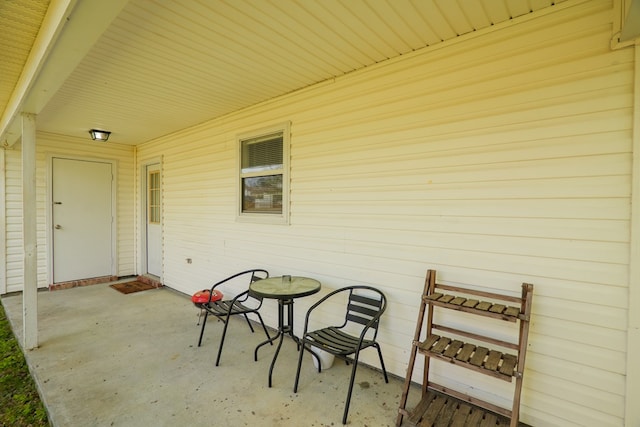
point(478, 358)
point(446, 298)
point(465, 353)
point(436, 409)
point(512, 311)
point(470, 303)
point(486, 308)
point(453, 348)
point(429, 342)
point(493, 360)
point(434, 296)
point(440, 346)
point(458, 301)
point(497, 308)
point(509, 363)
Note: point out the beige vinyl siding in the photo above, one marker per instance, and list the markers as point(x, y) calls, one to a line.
point(504, 158)
point(13, 208)
point(13, 215)
point(50, 144)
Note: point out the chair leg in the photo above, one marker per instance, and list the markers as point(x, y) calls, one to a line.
point(384, 371)
point(315, 356)
point(224, 333)
point(351, 381)
point(295, 384)
point(249, 323)
point(204, 323)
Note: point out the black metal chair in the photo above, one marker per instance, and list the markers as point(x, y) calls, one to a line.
point(363, 311)
point(244, 303)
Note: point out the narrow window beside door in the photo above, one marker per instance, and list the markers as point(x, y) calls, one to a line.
point(154, 197)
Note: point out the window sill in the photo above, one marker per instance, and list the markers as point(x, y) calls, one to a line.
point(277, 219)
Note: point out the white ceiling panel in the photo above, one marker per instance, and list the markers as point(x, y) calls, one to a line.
point(19, 25)
point(163, 65)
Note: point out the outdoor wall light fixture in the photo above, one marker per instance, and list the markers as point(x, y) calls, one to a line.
point(99, 135)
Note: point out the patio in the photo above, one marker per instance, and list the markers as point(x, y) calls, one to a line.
point(109, 359)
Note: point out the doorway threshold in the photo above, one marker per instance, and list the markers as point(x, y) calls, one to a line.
point(81, 282)
point(150, 280)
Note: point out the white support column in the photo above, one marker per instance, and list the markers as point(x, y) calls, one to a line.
point(29, 232)
point(632, 395)
point(3, 224)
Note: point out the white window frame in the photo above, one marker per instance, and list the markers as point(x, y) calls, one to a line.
point(265, 217)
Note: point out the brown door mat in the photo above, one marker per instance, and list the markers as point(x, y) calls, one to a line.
point(131, 287)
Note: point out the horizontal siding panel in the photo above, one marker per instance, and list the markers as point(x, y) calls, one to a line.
point(438, 169)
point(602, 381)
point(487, 112)
point(440, 103)
point(554, 308)
point(549, 188)
point(559, 413)
point(586, 271)
point(353, 215)
point(491, 237)
point(603, 252)
point(587, 334)
point(582, 354)
point(469, 153)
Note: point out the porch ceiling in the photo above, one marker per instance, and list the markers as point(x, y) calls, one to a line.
point(152, 67)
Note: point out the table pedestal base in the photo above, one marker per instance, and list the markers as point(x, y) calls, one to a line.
point(285, 289)
point(283, 329)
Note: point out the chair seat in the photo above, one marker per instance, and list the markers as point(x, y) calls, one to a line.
point(221, 308)
point(224, 309)
point(334, 341)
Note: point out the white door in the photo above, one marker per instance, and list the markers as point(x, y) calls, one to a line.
point(82, 219)
point(153, 214)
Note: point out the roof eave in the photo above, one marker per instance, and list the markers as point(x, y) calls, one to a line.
point(69, 29)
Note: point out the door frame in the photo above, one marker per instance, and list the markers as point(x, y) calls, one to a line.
point(142, 213)
point(49, 209)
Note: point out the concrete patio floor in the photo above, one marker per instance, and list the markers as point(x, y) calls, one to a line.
point(110, 359)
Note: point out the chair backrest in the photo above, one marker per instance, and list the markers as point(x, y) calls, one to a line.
point(366, 305)
point(257, 274)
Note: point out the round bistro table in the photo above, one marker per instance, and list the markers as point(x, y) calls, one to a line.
point(285, 289)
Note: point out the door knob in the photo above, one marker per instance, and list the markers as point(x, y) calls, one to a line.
point(58, 227)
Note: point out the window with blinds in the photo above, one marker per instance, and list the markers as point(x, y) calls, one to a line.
point(263, 174)
point(262, 154)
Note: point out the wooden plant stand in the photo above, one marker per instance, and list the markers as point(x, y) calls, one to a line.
point(441, 405)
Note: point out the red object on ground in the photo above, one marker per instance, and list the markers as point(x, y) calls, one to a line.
point(202, 297)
